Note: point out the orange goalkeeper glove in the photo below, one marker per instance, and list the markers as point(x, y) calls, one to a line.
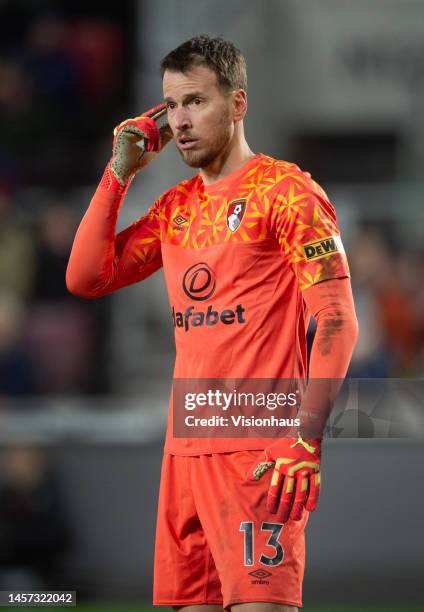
point(137, 141)
point(295, 482)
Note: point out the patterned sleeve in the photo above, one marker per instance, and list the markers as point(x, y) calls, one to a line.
point(305, 225)
point(101, 261)
point(138, 249)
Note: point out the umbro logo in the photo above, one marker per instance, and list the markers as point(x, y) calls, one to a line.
point(179, 220)
point(260, 576)
point(260, 573)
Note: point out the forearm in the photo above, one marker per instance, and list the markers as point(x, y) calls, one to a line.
point(331, 303)
point(91, 268)
point(102, 261)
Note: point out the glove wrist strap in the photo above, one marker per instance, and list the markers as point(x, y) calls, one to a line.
point(111, 183)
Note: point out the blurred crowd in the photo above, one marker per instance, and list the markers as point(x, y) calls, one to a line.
point(50, 342)
point(35, 530)
point(389, 301)
point(55, 75)
point(56, 72)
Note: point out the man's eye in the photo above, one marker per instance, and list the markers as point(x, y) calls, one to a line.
point(170, 105)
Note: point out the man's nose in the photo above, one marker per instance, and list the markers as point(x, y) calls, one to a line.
point(182, 119)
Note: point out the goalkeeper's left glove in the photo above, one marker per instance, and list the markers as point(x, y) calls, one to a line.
point(295, 482)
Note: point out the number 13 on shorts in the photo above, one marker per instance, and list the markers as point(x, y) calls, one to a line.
point(274, 529)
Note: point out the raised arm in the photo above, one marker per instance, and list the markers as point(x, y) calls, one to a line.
point(102, 261)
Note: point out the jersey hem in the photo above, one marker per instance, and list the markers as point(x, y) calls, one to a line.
point(231, 602)
point(212, 451)
point(282, 602)
point(187, 602)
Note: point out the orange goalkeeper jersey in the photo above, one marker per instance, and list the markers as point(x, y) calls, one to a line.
point(236, 256)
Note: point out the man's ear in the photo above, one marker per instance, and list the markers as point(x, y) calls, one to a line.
point(239, 104)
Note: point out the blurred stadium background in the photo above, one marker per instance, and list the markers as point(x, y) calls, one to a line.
point(334, 85)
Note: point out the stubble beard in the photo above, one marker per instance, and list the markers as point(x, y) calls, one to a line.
point(202, 159)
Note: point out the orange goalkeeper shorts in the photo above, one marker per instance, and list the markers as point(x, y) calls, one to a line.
point(216, 543)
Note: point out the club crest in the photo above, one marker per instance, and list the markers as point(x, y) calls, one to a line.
point(235, 213)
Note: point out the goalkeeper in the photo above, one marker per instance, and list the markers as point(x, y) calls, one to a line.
point(250, 248)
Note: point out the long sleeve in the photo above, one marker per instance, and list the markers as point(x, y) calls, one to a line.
point(101, 261)
point(304, 222)
point(331, 303)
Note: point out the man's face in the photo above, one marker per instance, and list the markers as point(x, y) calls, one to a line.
point(199, 114)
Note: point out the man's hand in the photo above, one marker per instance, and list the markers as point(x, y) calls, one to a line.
point(295, 482)
point(137, 141)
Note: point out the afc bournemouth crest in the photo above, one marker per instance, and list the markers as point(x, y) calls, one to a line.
point(235, 213)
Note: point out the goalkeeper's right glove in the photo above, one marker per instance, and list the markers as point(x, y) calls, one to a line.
point(137, 141)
